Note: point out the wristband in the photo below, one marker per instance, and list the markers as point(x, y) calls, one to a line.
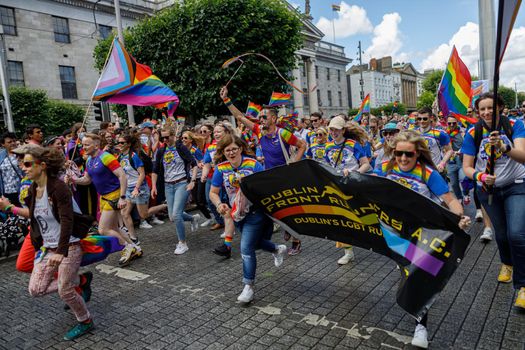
point(15, 210)
point(123, 197)
point(227, 101)
point(483, 177)
point(8, 207)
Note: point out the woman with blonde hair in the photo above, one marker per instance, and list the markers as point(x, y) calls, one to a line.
point(316, 150)
point(412, 167)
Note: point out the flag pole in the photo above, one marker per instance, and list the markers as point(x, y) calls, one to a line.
point(495, 111)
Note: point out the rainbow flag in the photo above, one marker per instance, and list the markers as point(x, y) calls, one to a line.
point(279, 99)
point(463, 119)
point(454, 89)
point(336, 7)
point(181, 119)
point(253, 110)
point(125, 81)
point(289, 122)
point(96, 248)
point(364, 108)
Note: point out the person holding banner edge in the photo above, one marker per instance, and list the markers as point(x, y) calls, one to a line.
point(505, 211)
point(234, 161)
point(412, 166)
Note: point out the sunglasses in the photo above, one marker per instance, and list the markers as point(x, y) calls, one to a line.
point(452, 124)
point(422, 119)
point(30, 164)
point(388, 133)
point(319, 135)
point(407, 154)
point(122, 143)
point(164, 138)
point(185, 138)
point(314, 120)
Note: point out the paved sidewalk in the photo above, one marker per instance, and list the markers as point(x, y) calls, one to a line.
point(163, 301)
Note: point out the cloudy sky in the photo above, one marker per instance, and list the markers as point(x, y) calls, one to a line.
point(418, 31)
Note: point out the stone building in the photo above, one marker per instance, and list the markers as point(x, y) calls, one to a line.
point(49, 45)
point(385, 82)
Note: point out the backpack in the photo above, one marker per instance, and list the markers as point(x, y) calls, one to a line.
point(146, 160)
point(478, 132)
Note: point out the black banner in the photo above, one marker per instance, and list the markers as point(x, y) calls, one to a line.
point(370, 212)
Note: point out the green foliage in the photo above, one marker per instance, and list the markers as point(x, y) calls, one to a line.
point(508, 95)
point(388, 109)
point(521, 97)
point(33, 107)
point(426, 99)
point(432, 81)
point(186, 44)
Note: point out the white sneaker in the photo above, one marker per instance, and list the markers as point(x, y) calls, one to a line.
point(420, 338)
point(125, 255)
point(349, 256)
point(156, 221)
point(144, 224)
point(278, 257)
point(195, 222)
point(181, 248)
point(223, 235)
point(207, 223)
point(479, 215)
point(486, 235)
point(124, 229)
point(246, 295)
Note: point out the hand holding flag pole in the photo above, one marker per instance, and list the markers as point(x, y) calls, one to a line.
point(235, 73)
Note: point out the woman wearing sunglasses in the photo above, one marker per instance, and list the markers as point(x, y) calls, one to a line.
point(234, 162)
point(316, 151)
point(177, 169)
point(507, 141)
point(196, 144)
point(58, 247)
point(412, 167)
point(385, 147)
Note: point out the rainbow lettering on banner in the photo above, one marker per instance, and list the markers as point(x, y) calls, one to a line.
point(411, 252)
point(253, 110)
point(279, 99)
point(125, 81)
point(364, 108)
point(454, 89)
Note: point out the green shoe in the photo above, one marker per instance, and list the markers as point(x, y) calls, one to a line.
point(78, 330)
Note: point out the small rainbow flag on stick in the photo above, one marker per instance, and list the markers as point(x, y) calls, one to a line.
point(463, 119)
point(454, 89)
point(364, 108)
point(181, 119)
point(253, 110)
point(279, 99)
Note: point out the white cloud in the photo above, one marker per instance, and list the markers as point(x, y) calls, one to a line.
point(466, 40)
point(387, 39)
point(351, 20)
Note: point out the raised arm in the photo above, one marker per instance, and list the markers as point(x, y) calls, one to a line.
point(239, 116)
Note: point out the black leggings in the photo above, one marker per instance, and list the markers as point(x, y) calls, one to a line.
point(476, 200)
point(423, 321)
point(199, 195)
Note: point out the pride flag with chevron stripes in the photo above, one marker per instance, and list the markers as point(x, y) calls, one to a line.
point(125, 81)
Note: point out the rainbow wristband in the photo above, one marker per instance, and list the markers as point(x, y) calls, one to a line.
point(8, 207)
point(227, 101)
point(479, 176)
point(15, 210)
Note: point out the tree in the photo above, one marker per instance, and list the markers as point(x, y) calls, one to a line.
point(29, 106)
point(186, 44)
point(508, 95)
point(432, 81)
point(426, 99)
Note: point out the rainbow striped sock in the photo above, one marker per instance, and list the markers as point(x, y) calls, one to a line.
point(228, 241)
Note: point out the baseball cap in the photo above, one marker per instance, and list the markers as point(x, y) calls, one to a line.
point(337, 123)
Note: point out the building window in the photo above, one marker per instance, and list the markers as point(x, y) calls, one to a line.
point(329, 98)
point(68, 81)
point(327, 73)
point(303, 70)
point(7, 16)
point(61, 29)
point(340, 96)
point(319, 102)
point(338, 75)
point(104, 31)
point(15, 73)
point(316, 72)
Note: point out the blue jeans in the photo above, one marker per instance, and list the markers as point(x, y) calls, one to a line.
point(176, 196)
point(256, 231)
point(506, 215)
point(211, 207)
point(455, 175)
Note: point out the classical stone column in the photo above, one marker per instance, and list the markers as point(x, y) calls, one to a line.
point(312, 82)
point(297, 96)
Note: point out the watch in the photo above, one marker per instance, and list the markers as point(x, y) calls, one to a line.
point(122, 197)
point(507, 149)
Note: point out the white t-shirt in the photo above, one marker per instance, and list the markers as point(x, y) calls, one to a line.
point(49, 226)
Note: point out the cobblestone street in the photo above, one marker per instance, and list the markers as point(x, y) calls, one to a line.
point(163, 301)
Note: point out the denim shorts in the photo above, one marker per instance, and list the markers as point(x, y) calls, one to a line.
point(142, 198)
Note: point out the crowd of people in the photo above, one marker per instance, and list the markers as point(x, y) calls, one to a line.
point(132, 176)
